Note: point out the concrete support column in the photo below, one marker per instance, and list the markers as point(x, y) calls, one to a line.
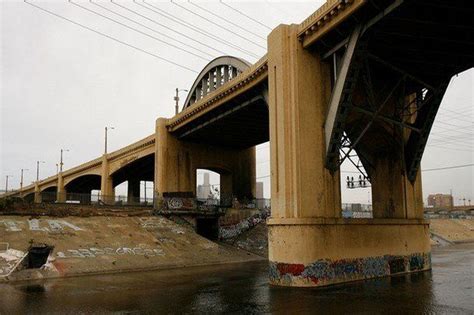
point(38, 198)
point(173, 172)
point(244, 174)
point(106, 183)
point(393, 195)
point(61, 192)
point(133, 191)
point(309, 244)
point(299, 90)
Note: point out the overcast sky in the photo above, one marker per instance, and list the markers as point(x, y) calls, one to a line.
point(61, 83)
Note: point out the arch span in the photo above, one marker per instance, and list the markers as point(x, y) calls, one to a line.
point(83, 184)
point(49, 194)
point(215, 73)
point(140, 169)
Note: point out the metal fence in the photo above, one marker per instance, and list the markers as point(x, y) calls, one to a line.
point(175, 203)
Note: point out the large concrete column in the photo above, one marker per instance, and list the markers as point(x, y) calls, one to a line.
point(173, 172)
point(106, 183)
point(309, 244)
point(244, 174)
point(38, 198)
point(176, 163)
point(393, 195)
point(299, 89)
point(61, 192)
point(133, 191)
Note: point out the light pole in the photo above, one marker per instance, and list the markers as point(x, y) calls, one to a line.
point(105, 140)
point(21, 178)
point(57, 168)
point(6, 183)
point(38, 169)
point(176, 98)
point(61, 160)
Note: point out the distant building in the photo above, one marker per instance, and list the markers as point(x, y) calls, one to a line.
point(204, 190)
point(440, 201)
point(259, 190)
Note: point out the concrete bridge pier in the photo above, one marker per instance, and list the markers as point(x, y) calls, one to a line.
point(106, 183)
point(309, 243)
point(133, 191)
point(37, 198)
point(176, 163)
point(61, 192)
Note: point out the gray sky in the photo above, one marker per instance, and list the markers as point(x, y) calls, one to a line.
point(62, 83)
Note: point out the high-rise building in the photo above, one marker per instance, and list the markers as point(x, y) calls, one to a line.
point(440, 201)
point(259, 190)
point(204, 190)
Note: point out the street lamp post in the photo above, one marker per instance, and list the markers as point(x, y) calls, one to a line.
point(6, 182)
point(176, 98)
point(105, 140)
point(38, 169)
point(21, 178)
point(61, 160)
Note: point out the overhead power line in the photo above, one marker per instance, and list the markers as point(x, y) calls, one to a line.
point(199, 30)
point(110, 37)
point(218, 25)
point(225, 20)
point(151, 29)
point(247, 16)
point(169, 28)
point(137, 30)
point(447, 167)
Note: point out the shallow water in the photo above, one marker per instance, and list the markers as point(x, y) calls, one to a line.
point(244, 288)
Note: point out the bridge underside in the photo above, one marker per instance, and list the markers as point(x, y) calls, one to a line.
point(240, 123)
point(392, 64)
point(374, 82)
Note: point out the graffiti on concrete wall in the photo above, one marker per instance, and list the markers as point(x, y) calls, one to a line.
point(327, 271)
point(227, 232)
point(38, 225)
point(152, 222)
point(109, 251)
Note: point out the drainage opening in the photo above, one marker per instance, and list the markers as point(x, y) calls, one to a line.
point(38, 255)
point(208, 227)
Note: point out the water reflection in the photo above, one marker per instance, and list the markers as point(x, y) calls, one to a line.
point(244, 289)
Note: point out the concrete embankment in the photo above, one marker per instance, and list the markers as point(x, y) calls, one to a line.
point(95, 245)
point(453, 230)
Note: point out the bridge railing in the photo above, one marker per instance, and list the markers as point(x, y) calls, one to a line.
point(166, 204)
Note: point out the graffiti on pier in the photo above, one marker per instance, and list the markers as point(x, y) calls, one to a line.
point(109, 251)
point(327, 271)
point(39, 225)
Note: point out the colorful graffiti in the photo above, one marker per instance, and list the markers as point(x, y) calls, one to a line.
point(326, 271)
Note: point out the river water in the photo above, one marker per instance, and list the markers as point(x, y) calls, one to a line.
point(244, 288)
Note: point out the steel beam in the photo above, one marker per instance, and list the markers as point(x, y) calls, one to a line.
point(417, 141)
point(340, 100)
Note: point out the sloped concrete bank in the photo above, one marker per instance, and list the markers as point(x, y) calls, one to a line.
point(96, 245)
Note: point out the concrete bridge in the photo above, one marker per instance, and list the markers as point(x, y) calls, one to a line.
point(132, 163)
point(356, 76)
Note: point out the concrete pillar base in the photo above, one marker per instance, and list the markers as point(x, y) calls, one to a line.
point(309, 252)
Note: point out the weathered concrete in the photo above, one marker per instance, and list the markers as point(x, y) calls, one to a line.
point(176, 163)
point(95, 245)
point(314, 252)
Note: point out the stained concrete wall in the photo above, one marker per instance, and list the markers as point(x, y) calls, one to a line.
point(176, 163)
